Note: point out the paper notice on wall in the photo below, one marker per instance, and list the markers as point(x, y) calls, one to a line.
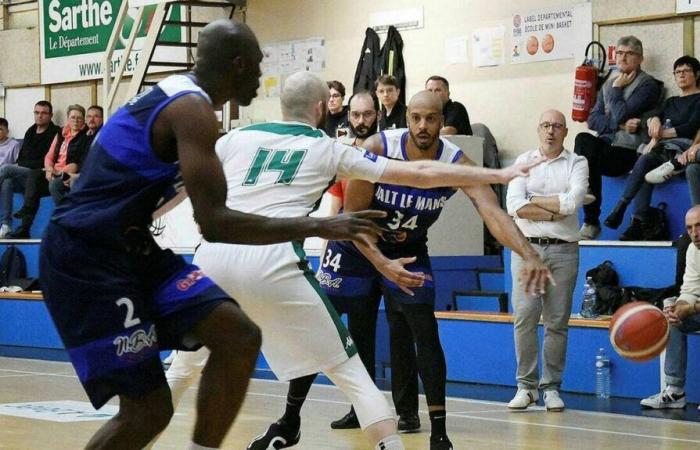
point(684, 6)
point(284, 58)
point(551, 33)
point(488, 46)
point(456, 50)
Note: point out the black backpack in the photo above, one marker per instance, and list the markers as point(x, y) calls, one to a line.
point(654, 224)
point(13, 266)
point(603, 274)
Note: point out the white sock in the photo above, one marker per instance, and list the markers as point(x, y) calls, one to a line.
point(675, 389)
point(194, 446)
point(392, 442)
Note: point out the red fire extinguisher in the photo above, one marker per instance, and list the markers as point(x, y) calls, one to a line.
point(587, 80)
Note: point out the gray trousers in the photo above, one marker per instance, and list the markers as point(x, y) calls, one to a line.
point(554, 307)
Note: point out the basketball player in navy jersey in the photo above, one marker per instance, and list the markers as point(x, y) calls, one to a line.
point(353, 272)
point(116, 298)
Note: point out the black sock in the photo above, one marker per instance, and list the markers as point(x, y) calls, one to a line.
point(298, 389)
point(437, 422)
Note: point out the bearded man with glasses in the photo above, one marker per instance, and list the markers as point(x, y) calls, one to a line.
point(616, 118)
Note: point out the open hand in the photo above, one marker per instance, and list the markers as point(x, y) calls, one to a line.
point(355, 226)
point(395, 272)
point(533, 277)
point(519, 169)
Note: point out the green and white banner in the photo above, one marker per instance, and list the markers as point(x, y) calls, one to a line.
point(75, 33)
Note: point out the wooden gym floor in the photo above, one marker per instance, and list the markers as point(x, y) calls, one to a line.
point(472, 424)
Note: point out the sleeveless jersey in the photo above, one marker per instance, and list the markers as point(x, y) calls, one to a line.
point(410, 210)
point(281, 169)
point(123, 182)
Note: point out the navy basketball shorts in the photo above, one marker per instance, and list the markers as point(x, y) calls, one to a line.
point(345, 273)
point(116, 311)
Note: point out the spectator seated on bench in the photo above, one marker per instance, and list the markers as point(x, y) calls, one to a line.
point(616, 116)
point(684, 317)
point(680, 116)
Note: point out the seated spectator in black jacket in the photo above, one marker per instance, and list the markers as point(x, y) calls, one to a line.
point(454, 113)
point(77, 151)
point(337, 116)
point(13, 177)
point(616, 117)
point(671, 130)
point(393, 112)
point(59, 158)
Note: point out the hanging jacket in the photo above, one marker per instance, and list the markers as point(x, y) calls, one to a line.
point(392, 60)
point(369, 65)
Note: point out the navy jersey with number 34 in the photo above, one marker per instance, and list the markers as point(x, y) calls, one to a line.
point(410, 210)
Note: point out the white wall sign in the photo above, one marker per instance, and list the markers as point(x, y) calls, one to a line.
point(488, 46)
point(551, 33)
point(456, 50)
point(683, 6)
point(403, 19)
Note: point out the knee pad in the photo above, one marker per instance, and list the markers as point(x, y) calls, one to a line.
point(352, 378)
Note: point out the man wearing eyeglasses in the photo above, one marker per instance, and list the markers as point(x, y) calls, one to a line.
point(621, 102)
point(545, 206)
point(337, 117)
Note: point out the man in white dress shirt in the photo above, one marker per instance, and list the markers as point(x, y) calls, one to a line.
point(545, 206)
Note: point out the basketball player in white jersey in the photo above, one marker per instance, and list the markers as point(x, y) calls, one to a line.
point(281, 169)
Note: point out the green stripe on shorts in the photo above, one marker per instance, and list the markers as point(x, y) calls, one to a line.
point(345, 338)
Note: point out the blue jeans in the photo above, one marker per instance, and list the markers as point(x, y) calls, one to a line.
point(692, 176)
point(12, 179)
point(677, 351)
point(637, 188)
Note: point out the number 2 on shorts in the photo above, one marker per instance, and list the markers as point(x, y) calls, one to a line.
point(130, 320)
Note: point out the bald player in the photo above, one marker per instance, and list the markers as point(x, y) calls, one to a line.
point(281, 169)
point(357, 273)
point(116, 298)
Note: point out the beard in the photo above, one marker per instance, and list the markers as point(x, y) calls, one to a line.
point(424, 145)
point(362, 131)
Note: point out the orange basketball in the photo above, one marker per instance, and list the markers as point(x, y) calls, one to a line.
point(639, 331)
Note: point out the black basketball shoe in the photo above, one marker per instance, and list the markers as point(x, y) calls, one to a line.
point(441, 442)
point(279, 435)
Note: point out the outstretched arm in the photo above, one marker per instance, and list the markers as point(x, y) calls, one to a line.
point(535, 274)
point(430, 174)
point(190, 123)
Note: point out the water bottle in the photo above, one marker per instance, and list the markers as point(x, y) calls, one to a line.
point(589, 297)
point(602, 374)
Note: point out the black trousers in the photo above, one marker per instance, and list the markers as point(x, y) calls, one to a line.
point(415, 350)
point(35, 188)
point(603, 159)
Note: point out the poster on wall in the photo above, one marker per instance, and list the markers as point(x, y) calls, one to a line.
point(74, 35)
point(488, 46)
point(551, 33)
point(281, 59)
point(684, 6)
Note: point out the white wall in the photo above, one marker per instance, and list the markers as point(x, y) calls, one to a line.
point(507, 98)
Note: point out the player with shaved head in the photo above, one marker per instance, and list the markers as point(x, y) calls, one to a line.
point(281, 169)
point(355, 272)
